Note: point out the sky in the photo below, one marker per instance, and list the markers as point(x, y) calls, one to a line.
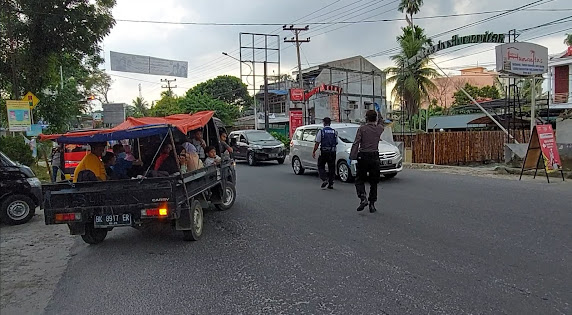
point(202, 45)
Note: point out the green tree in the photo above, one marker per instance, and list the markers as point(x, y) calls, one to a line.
point(140, 107)
point(39, 37)
point(195, 102)
point(410, 7)
point(568, 39)
point(526, 89)
point(485, 92)
point(412, 81)
point(167, 105)
point(226, 88)
point(99, 84)
point(17, 149)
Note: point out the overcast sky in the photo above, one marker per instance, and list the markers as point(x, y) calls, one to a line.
point(202, 46)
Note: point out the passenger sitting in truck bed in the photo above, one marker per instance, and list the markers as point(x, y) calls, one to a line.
point(212, 158)
point(193, 160)
point(92, 162)
point(109, 160)
point(122, 166)
point(166, 161)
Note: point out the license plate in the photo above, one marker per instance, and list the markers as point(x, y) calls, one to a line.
point(273, 155)
point(108, 220)
point(387, 162)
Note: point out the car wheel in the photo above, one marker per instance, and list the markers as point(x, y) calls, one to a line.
point(92, 235)
point(281, 161)
point(194, 234)
point(17, 209)
point(390, 175)
point(228, 198)
point(297, 166)
point(251, 159)
point(344, 172)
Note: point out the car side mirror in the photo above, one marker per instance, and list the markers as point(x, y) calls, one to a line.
point(233, 142)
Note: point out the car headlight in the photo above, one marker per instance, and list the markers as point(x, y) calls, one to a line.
point(256, 147)
point(34, 182)
point(282, 146)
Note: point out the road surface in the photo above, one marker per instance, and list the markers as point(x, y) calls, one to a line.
point(440, 244)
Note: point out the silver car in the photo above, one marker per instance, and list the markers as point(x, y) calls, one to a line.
point(302, 145)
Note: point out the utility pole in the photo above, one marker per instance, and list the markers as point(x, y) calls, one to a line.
point(298, 41)
point(168, 86)
point(266, 109)
point(140, 94)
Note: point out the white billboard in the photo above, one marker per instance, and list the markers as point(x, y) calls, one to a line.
point(147, 65)
point(524, 59)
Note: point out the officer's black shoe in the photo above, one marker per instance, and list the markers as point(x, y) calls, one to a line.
point(324, 184)
point(331, 186)
point(362, 205)
point(372, 208)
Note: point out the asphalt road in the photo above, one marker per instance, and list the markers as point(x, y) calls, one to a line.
point(440, 244)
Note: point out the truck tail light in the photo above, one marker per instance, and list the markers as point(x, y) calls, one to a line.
point(66, 217)
point(159, 212)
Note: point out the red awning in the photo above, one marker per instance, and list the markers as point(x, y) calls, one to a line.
point(183, 122)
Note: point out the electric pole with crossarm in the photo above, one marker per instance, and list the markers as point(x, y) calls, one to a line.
point(298, 41)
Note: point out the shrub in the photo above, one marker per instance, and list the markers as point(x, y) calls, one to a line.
point(16, 149)
point(282, 138)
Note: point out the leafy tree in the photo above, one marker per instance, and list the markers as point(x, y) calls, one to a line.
point(194, 102)
point(410, 7)
point(139, 107)
point(37, 37)
point(167, 105)
point(412, 81)
point(228, 89)
point(568, 39)
point(526, 89)
point(99, 84)
point(485, 92)
point(17, 149)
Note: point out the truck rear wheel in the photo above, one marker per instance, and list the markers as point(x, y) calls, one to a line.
point(194, 234)
point(92, 235)
point(228, 197)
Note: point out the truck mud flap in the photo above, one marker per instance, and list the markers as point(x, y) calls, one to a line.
point(77, 228)
point(185, 221)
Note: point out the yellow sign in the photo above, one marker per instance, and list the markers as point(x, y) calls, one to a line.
point(18, 115)
point(31, 99)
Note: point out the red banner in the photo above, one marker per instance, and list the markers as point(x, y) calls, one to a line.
point(297, 95)
point(296, 120)
point(547, 143)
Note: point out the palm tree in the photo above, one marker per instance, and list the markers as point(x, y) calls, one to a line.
point(140, 107)
point(568, 39)
point(412, 81)
point(410, 7)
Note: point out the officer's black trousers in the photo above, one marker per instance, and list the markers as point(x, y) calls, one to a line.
point(367, 171)
point(327, 157)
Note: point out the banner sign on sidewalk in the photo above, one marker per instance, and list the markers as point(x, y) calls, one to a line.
point(296, 120)
point(543, 147)
point(18, 115)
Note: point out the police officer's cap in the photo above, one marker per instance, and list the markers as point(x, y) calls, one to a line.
point(327, 120)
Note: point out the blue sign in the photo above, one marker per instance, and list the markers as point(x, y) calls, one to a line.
point(34, 130)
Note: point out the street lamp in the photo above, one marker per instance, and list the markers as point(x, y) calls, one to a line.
point(253, 84)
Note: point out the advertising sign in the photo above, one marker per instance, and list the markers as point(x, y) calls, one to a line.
point(296, 120)
point(34, 130)
point(297, 95)
point(521, 58)
point(548, 146)
point(147, 65)
point(18, 115)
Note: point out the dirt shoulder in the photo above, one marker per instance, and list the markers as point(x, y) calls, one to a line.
point(33, 257)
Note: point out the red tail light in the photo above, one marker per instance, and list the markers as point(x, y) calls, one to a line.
point(62, 217)
point(160, 212)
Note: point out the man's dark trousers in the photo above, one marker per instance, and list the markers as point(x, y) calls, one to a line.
point(367, 171)
point(327, 157)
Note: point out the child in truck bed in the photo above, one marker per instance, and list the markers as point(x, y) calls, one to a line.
point(212, 158)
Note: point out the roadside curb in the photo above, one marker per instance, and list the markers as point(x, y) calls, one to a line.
point(495, 170)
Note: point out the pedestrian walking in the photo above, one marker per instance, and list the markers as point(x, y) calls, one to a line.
point(326, 140)
point(365, 151)
point(56, 165)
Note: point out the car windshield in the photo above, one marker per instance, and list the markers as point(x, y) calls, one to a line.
point(347, 134)
point(260, 136)
point(6, 160)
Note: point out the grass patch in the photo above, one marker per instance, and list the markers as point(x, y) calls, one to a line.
point(41, 172)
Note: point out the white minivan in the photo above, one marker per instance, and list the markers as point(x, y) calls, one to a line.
point(302, 145)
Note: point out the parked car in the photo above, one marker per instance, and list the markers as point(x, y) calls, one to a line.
point(302, 145)
point(256, 145)
point(20, 192)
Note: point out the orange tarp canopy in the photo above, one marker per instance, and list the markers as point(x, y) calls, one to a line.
point(183, 122)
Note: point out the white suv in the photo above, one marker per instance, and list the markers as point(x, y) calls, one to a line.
point(302, 145)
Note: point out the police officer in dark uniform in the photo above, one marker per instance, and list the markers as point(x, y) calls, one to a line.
point(365, 151)
point(327, 140)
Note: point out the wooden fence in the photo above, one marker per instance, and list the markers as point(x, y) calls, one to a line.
point(458, 148)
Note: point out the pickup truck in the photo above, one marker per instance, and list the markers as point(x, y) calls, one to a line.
point(92, 209)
